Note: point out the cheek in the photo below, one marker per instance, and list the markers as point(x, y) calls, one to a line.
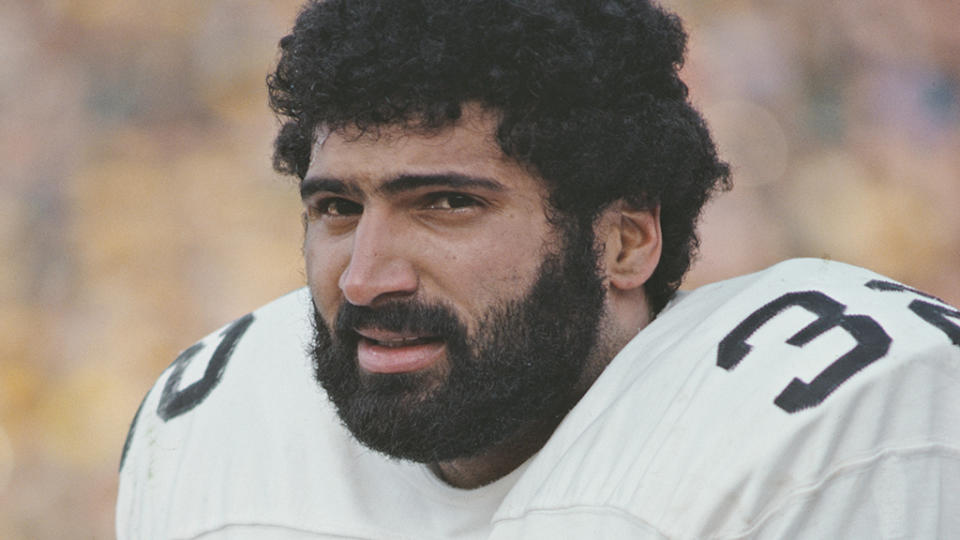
point(499, 267)
point(324, 265)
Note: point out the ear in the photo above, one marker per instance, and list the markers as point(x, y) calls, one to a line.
point(633, 243)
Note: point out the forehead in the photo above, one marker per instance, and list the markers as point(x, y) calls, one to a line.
point(467, 147)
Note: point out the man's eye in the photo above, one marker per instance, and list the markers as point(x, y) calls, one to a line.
point(337, 207)
point(452, 201)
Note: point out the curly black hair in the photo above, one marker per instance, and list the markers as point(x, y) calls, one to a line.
point(587, 94)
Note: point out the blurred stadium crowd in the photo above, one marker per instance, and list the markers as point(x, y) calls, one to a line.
point(138, 210)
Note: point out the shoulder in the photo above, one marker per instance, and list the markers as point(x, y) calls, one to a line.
point(748, 396)
point(219, 409)
point(278, 328)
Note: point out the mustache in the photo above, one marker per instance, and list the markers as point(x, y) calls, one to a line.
point(408, 316)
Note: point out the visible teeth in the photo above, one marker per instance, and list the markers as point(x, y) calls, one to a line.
point(400, 342)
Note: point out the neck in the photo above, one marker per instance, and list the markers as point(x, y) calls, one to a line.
point(497, 461)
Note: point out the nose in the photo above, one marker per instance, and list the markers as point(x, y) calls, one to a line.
point(378, 269)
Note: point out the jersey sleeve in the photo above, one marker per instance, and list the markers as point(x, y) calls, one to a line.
point(148, 463)
point(203, 435)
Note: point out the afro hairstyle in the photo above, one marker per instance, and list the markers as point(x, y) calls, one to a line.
point(587, 94)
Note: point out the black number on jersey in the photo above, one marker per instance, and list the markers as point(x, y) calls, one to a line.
point(872, 341)
point(872, 344)
point(934, 314)
point(175, 401)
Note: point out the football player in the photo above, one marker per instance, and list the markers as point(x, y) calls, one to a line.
point(500, 201)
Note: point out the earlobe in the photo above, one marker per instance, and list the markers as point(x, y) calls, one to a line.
point(633, 246)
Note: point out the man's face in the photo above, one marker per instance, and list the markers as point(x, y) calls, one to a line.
point(450, 314)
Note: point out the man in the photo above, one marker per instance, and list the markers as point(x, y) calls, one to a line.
point(499, 205)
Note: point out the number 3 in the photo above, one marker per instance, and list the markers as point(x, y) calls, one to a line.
point(872, 344)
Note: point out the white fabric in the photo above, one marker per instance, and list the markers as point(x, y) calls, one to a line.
point(666, 444)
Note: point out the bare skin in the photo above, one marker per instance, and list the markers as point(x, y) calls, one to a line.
point(446, 217)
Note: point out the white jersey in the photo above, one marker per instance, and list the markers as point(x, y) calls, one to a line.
point(811, 400)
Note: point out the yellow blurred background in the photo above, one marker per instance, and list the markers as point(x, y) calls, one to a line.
point(138, 210)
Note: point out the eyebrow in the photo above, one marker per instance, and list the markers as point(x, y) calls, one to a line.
point(406, 182)
point(409, 182)
point(313, 184)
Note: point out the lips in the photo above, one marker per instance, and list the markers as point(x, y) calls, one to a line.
point(381, 351)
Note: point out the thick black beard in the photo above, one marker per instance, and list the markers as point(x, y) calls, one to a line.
point(519, 371)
